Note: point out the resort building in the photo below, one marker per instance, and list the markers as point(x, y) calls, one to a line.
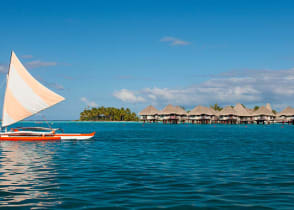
point(268, 106)
point(181, 114)
point(263, 116)
point(244, 117)
point(169, 115)
point(206, 115)
point(202, 115)
point(228, 116)
point(286, 116)
point(215, 115)
point(149, 114)
point(250, 111)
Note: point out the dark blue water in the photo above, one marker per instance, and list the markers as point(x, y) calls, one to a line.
point(129, 165)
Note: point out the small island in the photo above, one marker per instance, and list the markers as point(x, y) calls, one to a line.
point(108, 114)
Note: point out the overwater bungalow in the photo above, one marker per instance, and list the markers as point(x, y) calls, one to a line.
point(250, 111)
point(206, 115)
point(169, 114)
point(263, 116)
point(286, 116)
point(181, 114)
point(243, 115)
point(149, 114)
point(214, 116)
point(202, 115)
point(228, 116)
point(269, 107)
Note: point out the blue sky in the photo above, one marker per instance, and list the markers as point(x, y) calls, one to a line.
point(136, 53)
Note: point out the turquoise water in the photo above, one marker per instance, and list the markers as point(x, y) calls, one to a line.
point(131, 165)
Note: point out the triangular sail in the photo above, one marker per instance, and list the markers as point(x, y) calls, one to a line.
point(24, 95)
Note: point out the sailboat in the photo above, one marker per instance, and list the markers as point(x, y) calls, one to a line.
point(24, 97)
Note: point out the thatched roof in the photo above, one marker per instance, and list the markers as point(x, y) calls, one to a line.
point(268, 106)
point(228, 110)
point(241, 111)
point(169, 109)
point(289, 111)
point(149, 110)
point(213, 112)
point(216, 113)
point(199, 110)
point(180, 111)
point(263, 111)
point(250, 111)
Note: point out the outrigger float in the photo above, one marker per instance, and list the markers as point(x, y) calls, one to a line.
point(24, 97)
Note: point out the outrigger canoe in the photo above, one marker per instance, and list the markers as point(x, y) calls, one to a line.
point(42, 134)
point(24, 97)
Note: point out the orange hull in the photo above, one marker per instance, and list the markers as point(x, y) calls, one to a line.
point(30, 138)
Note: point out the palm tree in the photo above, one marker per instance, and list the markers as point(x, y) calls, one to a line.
point(216, 107)
point(255, 108)
point(109, 113)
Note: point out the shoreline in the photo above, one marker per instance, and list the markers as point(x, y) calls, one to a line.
point(139, 122)
point(77, 121)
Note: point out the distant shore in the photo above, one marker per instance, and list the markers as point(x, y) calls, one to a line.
point(87, 121)
point(109, 121)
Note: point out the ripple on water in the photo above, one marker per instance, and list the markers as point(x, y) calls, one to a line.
point(155, 166)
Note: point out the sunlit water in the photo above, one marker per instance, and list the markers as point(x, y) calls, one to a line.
point(131, 165)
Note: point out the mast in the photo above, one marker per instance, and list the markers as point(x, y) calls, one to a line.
point(5, 91)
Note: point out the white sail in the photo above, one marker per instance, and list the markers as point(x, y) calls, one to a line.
point(24, 95)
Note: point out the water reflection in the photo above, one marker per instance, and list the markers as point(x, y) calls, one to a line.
point(155, 166)
point(26, 174)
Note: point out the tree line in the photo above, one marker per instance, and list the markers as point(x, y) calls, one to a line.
point(108, 114)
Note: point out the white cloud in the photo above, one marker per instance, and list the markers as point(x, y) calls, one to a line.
point(55, 85)
point(38, 63)
point(250, 87)
point(27, 56)
point(174, 41)
point(50, 84)
point(3, 69)
point(128, 96)
point(88, 102)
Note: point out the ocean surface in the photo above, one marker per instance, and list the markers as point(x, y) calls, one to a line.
point(146, 166)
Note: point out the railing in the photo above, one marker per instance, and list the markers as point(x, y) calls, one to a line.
point(228, 118)
point(262, 118)
point(197, 117)
point(207, 117)
point(168, 118)
point(149, 117)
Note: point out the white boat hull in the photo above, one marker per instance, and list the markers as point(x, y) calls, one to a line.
point(74, 136)
point(32, 135)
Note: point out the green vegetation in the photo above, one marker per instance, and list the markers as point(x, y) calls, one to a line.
point(255, 108)
point(108, 114)
point(216, 107)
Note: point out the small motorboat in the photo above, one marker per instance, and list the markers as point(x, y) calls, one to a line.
point(24, 97)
